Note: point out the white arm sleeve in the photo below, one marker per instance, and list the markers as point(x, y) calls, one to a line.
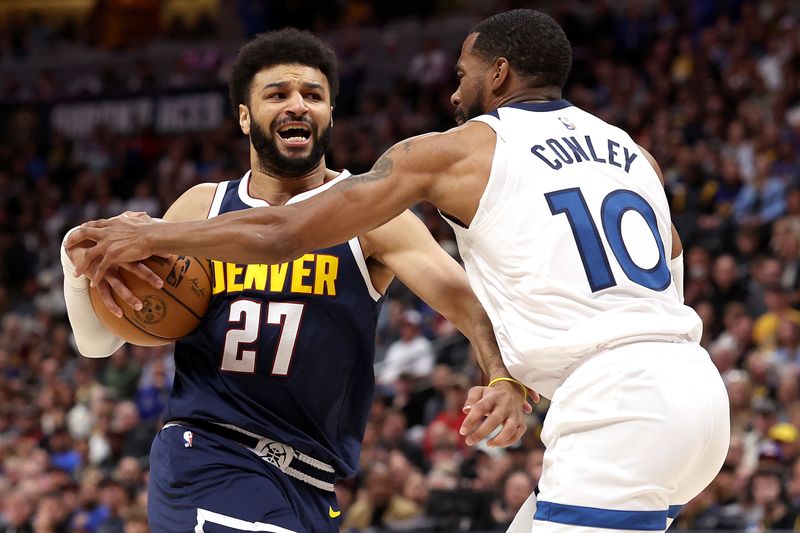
point(676, 266)
point(92, 338)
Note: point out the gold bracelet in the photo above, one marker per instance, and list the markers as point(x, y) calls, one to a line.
point(512, 380)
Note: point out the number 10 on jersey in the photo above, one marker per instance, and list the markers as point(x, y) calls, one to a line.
point(287, 315)
point(595, 259)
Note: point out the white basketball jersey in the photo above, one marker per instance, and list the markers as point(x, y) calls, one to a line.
point(570, 247)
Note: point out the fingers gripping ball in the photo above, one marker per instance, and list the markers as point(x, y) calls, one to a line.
point(168, 313)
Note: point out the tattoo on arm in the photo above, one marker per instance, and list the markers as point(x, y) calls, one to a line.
point(381, 170)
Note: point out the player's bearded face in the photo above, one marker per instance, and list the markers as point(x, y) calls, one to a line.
point(470, 105)
point(472, 78)
point(291, 165)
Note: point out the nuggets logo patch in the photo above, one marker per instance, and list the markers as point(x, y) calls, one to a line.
point(188, 437)
point(274, 452)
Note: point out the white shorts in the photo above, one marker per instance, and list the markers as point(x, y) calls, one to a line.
point(632, 434)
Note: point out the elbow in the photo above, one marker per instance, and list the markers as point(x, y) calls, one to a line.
point(93, 352)
point(466, 314)
point(97, 346)
point(463, 322)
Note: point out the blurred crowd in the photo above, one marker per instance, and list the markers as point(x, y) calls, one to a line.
point(710, 87)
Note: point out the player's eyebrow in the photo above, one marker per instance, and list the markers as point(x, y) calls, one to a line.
point(275, 84)
point(282, 84)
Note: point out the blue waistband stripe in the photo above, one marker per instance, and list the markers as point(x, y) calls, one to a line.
point(576, 515)
point(674, 510)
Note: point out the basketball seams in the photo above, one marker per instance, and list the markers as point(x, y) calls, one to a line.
point(189, 309)
point(152, 334)
point(203, 264)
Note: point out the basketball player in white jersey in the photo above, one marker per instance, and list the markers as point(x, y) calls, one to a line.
point(565, 231)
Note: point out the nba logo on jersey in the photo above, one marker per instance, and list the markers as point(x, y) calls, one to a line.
point(187, 439)
point(567, 124)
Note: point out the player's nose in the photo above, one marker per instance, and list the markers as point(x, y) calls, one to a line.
point(296, 105)
point(455, 98)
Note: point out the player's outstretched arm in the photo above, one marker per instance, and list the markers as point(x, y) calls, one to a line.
point(408, 250)
point(407, 173)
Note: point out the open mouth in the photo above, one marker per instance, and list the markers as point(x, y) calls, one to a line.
point(294, 133)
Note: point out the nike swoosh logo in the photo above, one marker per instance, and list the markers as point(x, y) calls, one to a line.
point(332, 513)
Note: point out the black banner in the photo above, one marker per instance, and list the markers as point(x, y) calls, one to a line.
point(166, 114)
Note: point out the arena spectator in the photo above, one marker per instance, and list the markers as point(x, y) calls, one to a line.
point(379, 504)
point(516, 488)
point(410, 354)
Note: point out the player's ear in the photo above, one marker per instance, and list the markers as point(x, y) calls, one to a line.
point(244, 119)
point(500, 73)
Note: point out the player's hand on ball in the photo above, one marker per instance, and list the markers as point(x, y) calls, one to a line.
point(490, 407)
point(118, 240)
point(112, 280)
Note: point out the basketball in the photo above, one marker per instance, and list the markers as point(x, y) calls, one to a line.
point(168, 313)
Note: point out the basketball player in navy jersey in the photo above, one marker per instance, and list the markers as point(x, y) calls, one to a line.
point(565, 231)
point(273, 390)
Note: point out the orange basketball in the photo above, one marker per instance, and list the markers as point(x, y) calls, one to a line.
point(168, 313)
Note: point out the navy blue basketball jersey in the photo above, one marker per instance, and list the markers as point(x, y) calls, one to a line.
point(285, 351)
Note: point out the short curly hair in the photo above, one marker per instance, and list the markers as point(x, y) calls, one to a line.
point(282, 47)
point(532, 42)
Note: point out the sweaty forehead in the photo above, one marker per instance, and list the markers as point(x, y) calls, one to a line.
point(292, 73)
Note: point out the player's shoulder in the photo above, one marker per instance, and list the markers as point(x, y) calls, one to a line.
point(445, 149)
point(457, 138)
point(192, 204)
point(470, 134)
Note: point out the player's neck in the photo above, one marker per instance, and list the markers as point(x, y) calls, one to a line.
point(526, 94)
point(277, 190)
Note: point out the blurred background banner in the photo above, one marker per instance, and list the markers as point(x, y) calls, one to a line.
point(165, 114)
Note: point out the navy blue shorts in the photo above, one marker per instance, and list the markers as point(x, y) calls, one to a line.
point(202, 482)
